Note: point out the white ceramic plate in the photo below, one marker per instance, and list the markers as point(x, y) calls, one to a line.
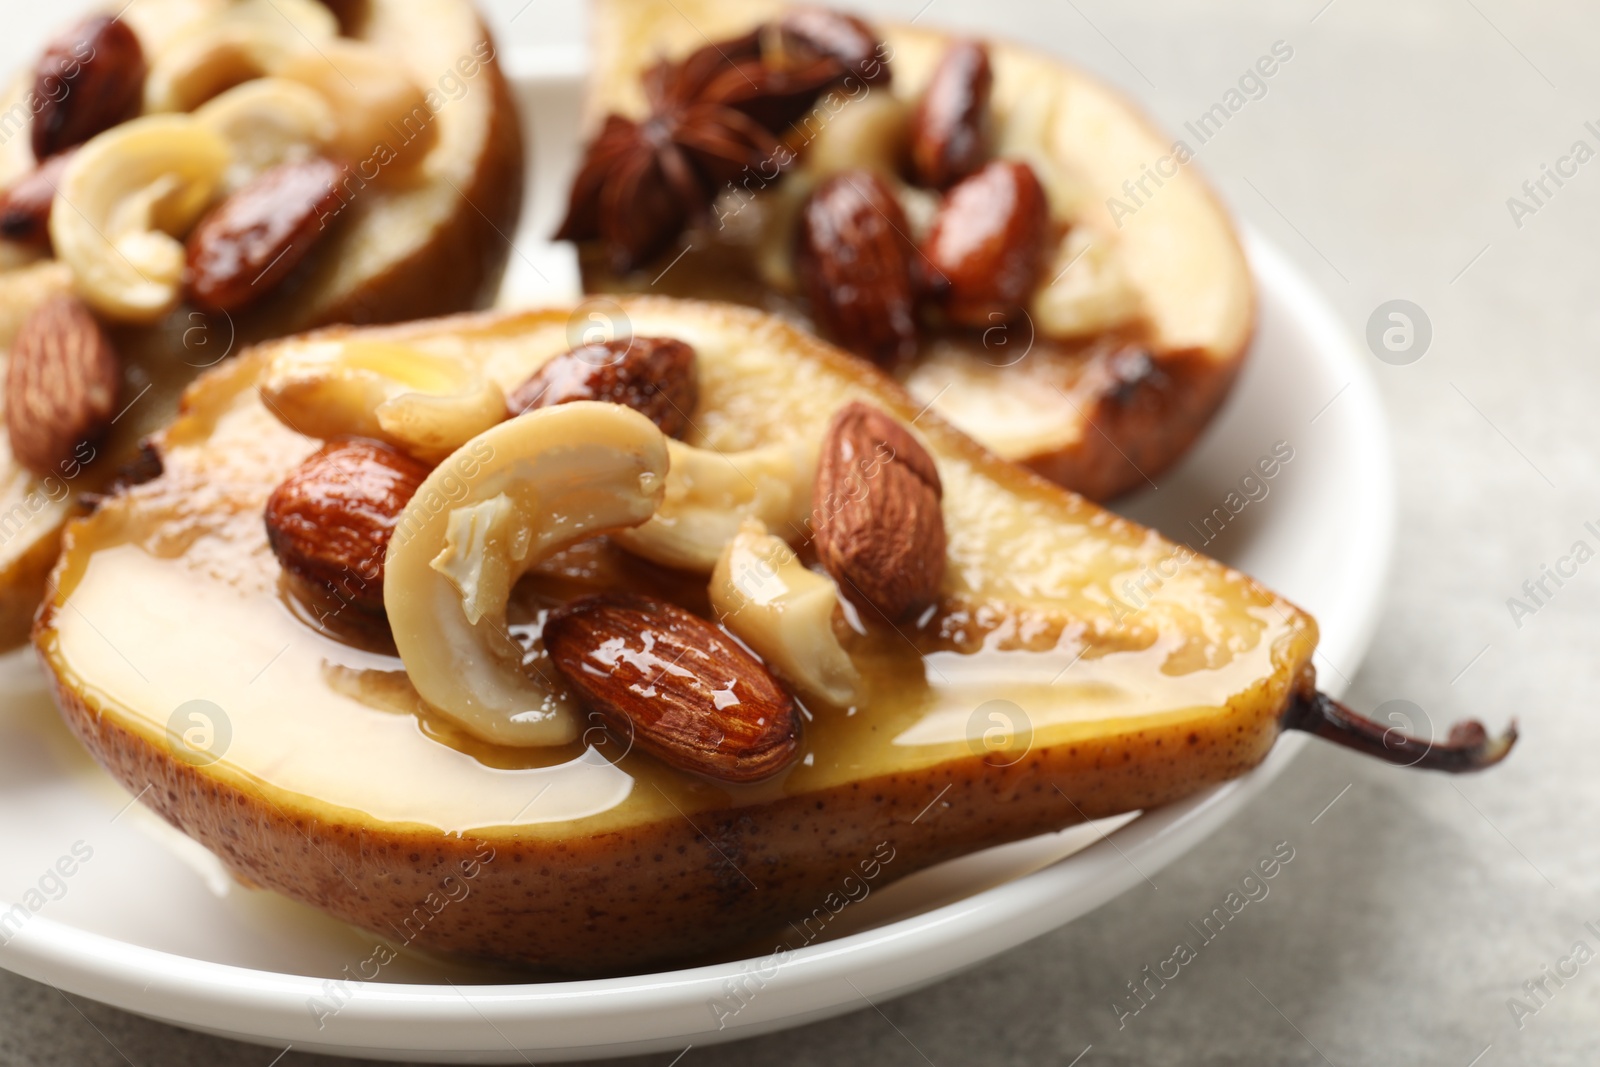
point(148, 921)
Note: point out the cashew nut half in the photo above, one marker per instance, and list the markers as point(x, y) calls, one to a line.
point(508, 499)
point(122, 197)
point(769, 599)
point(424, 403)
point(709, 494)
point(267, 122)
point(231, 45)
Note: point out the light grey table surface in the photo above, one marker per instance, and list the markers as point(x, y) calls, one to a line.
point(1381, 158)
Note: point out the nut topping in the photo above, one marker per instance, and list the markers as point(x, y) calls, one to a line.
point(855, 262)
point(88, 80)
point(61, 384)
point(880, 531)
point(654, 376)
point(841, 37)
point(25, 205)
point(715, 116)
point(251, 241)
point(709, 494)
point(329, 522)
point(427, 404)
point(131, 189)
point(949, 132)
point(676, 685)
point(503, 503)
point(784, 611)
point(988, 243)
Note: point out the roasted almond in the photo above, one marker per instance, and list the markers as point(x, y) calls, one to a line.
point(879, 527)
point(329, 522)
point(987, 244)
point(675, 685)
point(841, 37)
point(251, 241)
point(654, 376)
point(855, 262)
point(25, 205)
point(62, 384)
point(950, 127)
point(88, 80)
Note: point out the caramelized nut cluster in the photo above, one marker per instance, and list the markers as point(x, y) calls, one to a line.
point(728, 110)
point(983, 255)
point(363, 524)
point(715, 116)
point(329, 522)
point(203, 171)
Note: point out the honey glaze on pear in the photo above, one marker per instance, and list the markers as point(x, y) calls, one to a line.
point(1021, 625)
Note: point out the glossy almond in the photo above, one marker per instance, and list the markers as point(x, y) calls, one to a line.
point(88, 80)
point(25, 205)
point(987, 244)
point(251, 241)
point(879, 526)
point(950, 128)
point(654, 376)
point(840, 36)
point(855, 262)
point(329, 522)
point(62, 383)
point(675, 686)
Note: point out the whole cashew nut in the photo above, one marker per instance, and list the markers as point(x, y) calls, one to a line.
point(121, 200)
point(231, 45)
point(423, 403)
point(508, 499)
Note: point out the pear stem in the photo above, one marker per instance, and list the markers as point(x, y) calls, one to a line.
point(1467, 748)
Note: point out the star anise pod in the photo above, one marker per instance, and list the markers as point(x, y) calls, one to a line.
point(636, 191)
point(714, 116)
point(764, 74)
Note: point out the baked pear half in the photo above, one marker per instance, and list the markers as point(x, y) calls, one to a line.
point(182, 178)
point(708, 615)
point(1011, 238)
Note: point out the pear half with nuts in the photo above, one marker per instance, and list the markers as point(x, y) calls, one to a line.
point(1011, 238)
point(653, 656)
point(182, 178)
